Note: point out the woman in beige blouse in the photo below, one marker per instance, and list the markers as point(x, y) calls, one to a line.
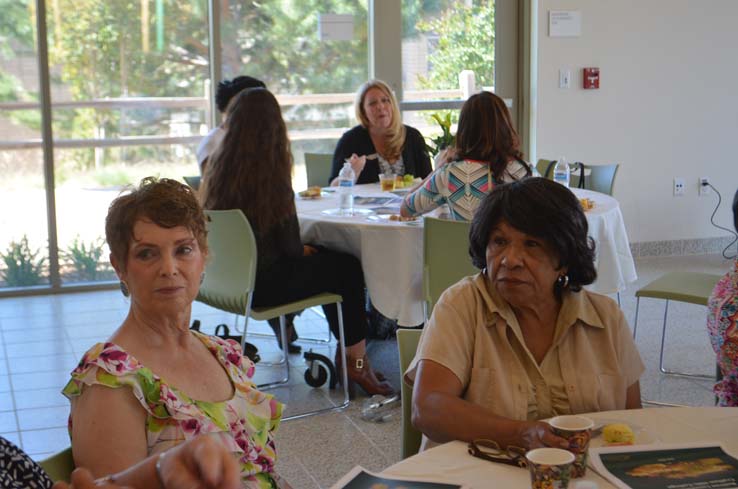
point(522, 341)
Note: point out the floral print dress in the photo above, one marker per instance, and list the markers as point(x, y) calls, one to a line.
point(722, 324)
point(246, 422)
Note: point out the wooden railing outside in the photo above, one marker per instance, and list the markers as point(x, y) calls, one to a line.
point(198, 103)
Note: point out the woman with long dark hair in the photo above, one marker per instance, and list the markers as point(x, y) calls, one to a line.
point(486, 154)
point(252, 171)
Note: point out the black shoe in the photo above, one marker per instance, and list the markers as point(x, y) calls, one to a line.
point(291, 333)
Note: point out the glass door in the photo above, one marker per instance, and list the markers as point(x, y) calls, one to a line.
point(24, 248)
point(129, 99)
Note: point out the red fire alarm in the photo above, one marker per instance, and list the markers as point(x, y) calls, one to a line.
point(591, 78)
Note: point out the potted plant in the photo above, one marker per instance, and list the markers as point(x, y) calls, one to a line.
point(443, 140)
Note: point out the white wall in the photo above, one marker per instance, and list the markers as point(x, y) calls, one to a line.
point(667, 106)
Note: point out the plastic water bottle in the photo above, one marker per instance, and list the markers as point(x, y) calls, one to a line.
point(561, 172)
point(346, 190)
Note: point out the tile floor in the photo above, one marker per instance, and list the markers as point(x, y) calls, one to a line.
point(42, 338)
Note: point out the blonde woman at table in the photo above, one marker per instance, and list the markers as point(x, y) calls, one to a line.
point(486, 154)
point(252, 171)
point(522, 341)
point(381, 143)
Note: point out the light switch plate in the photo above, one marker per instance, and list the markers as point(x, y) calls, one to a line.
point(564, 78)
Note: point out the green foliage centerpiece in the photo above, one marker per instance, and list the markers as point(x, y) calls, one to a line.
point(443, 140)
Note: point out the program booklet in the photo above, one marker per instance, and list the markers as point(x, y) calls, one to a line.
point(360, 478)
point(702, 466)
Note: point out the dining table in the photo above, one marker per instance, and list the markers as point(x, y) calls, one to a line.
point(451, 463)
point(391, 251)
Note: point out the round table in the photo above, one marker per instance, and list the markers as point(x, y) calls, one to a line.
point(451, 463)
point(391, 252)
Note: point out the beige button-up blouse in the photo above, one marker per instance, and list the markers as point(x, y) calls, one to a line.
point(474, 333)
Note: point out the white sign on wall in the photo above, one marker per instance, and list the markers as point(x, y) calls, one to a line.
point(335, 27)
point(564, 23)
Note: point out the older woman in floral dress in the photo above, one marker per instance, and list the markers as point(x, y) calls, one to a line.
point(154, 383)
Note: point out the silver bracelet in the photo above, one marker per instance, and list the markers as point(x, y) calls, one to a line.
point(108, 479)
point(159, 477)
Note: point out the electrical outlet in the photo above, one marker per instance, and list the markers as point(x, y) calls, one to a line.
point(678, 186)
point(704, 188)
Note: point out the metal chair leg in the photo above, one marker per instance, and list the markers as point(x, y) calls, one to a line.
point(635, 323)
point(344, 374)
point(663, 369)
point(285, 358)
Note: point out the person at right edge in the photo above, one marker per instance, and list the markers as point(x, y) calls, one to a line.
point(722, 324)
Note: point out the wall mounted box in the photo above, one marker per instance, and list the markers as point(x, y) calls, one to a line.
point(591, 78)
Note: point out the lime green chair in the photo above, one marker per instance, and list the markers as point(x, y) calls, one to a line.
point(229, 286)
point(59, 466)
point(545, 168)
point(599, 178)
point(407, 345)
point(689, 287)
point(318, 168)
point(445, 257)
point(193, 182)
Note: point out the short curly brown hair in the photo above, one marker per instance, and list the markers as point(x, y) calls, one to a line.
point(165, 202)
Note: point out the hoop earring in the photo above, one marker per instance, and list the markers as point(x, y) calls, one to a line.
point(563, 281)
point(124, 289)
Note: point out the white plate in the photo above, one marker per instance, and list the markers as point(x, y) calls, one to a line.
point(323, 193)
point(400, 191)
point(386, 218)
point(357, 212)
point(643, 436)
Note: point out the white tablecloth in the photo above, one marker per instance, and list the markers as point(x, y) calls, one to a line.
point(391, 253)
point(452, 464)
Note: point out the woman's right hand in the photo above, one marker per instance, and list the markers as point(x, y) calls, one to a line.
point(357, 163)
point(537, 434)
point(203, 461)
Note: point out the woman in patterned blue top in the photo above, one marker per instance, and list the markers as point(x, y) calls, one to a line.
point(487, 153)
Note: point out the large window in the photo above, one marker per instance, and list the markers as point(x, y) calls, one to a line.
point(23, 236)
point(448, 50)
point(313, 79)
point(131, 86)
point(130, 82)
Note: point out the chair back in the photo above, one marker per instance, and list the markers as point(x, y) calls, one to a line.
point(193, 181)
point(318, 168)
point(59, 466)
point(545, 168)
point(445, 257)
point(407, 345)
point(601, 178)
point(231, 268)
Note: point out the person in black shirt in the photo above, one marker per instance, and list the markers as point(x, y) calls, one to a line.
point(381, 144)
